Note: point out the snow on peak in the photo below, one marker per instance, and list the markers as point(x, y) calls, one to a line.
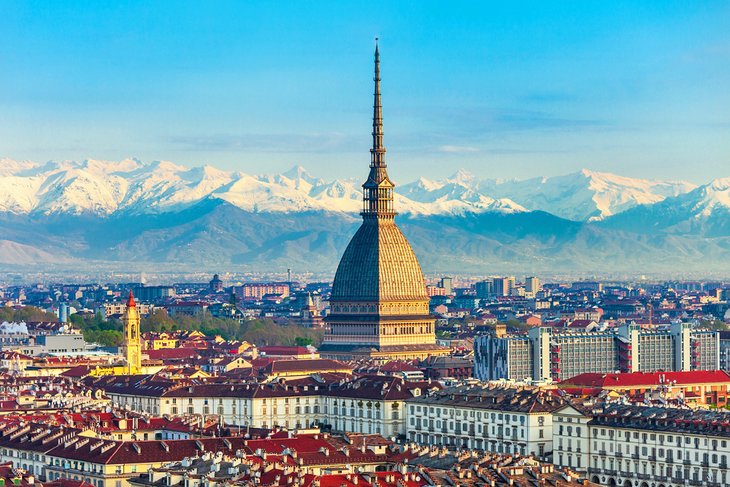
point(298, 173)
point(719, 185)
point(463, 177)
point(10, 167)
point(587, 194)
point(710, 197)
point(131, 185)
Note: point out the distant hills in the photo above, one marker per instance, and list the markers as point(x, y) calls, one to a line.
point(82, 213)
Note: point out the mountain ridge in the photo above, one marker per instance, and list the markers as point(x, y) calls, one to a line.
point(129, 213)
point(130, 185)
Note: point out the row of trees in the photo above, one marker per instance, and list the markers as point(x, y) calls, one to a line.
point(108, 332)
point(26, 313)
point(259, 331)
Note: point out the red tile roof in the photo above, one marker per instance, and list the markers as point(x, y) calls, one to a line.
point(637, 379)
point(171, 353)
point(282, 350)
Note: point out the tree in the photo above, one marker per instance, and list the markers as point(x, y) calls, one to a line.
point(303, 341)
point(26, 313)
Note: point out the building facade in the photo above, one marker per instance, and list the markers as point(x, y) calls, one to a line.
point(493, 418)
point(625, 445)
point(379, 303)
point(368, 405)
point(553, 354)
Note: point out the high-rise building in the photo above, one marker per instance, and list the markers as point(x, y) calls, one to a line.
point(532, 285)
point(153, 293)
point(132, 344)
point(548, 354)
point(447, 284)
point(484, 289)
point(379, 304)
point(503, 285)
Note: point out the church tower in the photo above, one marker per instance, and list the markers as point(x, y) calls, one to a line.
point(379, 304)
point(132, 344)
point(310, 314)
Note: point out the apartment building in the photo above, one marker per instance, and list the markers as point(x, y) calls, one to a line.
point(256, 291)
point(546, 353)
point(618, 444)
point(368, 404)
point(485, 417)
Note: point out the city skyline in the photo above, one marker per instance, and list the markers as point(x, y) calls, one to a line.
point(544, 90)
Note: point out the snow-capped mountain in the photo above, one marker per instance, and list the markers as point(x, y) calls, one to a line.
point(455, 195)
point(702, 211)
point(105, 188)
point(585, 195)
point(161, 213)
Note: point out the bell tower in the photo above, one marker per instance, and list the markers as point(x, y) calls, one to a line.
point(132, 344)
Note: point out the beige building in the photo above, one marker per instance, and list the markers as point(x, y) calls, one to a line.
point(379, 303)
point(369, 404)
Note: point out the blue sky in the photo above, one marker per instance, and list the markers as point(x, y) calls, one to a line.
point(503, 89)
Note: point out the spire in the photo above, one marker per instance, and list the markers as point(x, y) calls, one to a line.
point(378, 151)
point(378, 189)
point(130, 300)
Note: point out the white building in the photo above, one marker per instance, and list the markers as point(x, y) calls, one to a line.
point(644, 446)
point(500, 419)
point(368, 404)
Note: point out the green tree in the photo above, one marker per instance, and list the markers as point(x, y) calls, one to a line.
point(26, 313)
point(303, 341)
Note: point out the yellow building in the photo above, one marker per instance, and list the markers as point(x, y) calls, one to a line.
point(379, 304)
point(132, 344)
point(131, 349)
point(159, 341)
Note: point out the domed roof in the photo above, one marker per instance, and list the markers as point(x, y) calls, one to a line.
point(378, 265)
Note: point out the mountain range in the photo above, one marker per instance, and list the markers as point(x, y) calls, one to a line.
point(78, 213)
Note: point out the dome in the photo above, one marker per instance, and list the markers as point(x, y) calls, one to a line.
point(378, 265)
